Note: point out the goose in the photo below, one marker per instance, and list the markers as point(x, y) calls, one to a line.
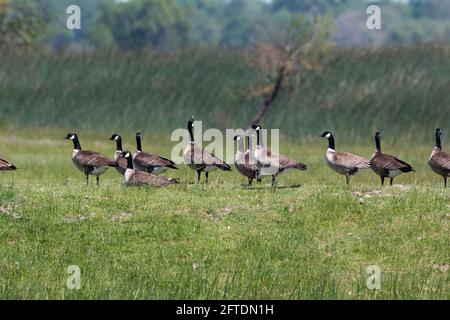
point(6, 166)
point(151, 163)
point(243, 163)
point(121, 161)
point(89, 162)
point(385, 165)
point(199, 159)
point(439, 160)
point(140, 178)
point(343, 162)
point(275, 162)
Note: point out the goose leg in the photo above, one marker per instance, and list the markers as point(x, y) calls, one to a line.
point(382, 181)
point(274, 177)
point(98, 179)
point(87, 178)
point(392, 180)
point(250, 181)
point(198, 176)
point(206, 177)
point(347, 178)
point(445, 182)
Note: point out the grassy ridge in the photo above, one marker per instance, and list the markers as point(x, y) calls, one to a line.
point(397, 90)
point(221, 240)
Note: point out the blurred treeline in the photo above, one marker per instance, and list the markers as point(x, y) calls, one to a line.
point(168, 24)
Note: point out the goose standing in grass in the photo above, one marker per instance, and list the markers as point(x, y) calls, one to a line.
point(89, 162)
point(140, 178)
point(243, 163)
point(439, 160)
point(6, 166)
point(343, 162)
point(199, 159)
point(118, 157)
point(385, 165)
point(274, 163)
point(151, 163)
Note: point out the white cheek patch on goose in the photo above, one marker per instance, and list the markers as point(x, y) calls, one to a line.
point(328, 135)
point(72, 137)
point(116, 138)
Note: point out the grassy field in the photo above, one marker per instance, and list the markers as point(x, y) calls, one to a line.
point(400, 91)
point(311, 237)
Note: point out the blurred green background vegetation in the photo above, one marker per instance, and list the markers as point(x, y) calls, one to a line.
point(150, 64)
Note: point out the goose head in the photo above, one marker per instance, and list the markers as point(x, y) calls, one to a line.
point(115, 137)
point(325, 134)
point(71, 136)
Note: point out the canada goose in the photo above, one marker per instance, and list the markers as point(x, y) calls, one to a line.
point(151, 163)
point(243, 163)
point(121, 161)
point(343, 162)
point(439, 160)
point(89, 162)
point(5, 165)
point(139, 178)
point(276, 163)
point(199, 159)
point(386, 165)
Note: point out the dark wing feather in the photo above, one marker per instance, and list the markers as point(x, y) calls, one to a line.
point(349, 160)
point(153, 160)
point(122, 162)
point(142, 178)
point(94, 159)
point(204, 157)
point(284, 162)
point(441, 160)
point(5, 165)
point(388, 162)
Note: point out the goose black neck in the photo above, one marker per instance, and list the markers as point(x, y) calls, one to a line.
point(129, 163)
point(119, 144)
point(191, 135)
point(331, 142)
point(138, 143)
point(76, 143)
point(377, 143)
point(258, 138)
point(248, 142)
point(438, 141)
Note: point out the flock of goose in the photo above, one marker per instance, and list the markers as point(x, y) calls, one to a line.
point(143, 168)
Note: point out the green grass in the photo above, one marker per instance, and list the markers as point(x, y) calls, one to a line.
point(220, 240)
point(400, 90)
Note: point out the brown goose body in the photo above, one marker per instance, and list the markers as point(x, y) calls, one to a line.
point(92, 163)
point(6, 166)
point(199, 159)
point(344, 163)
point(150, 162)
point(121, 162)
point(439, 160)
point(385, 165)
point(89, 162)
point(141, 178)
point(270, 163)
